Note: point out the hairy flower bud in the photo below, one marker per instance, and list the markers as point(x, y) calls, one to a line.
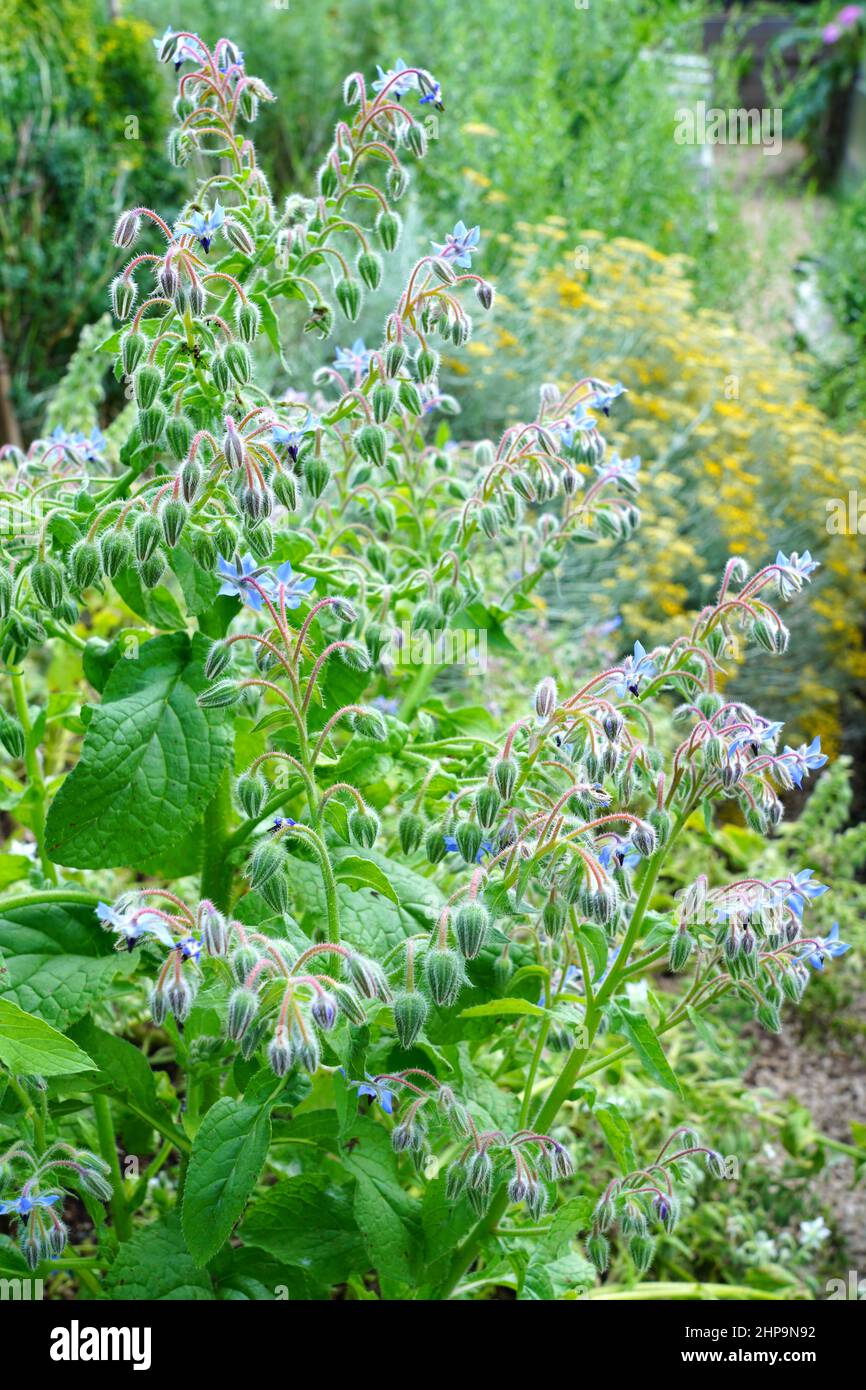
point(681, 949)
point(410, 1013)
point(123, 295)
point(434, 844)
point(642, 1248)
point(172, 518)
point(116, 550)
point(85, 564)
point(487, 805)
point(12, 736)
point(126, 230)
point(146, 534)
point(388, 227)
point(151, 424)
point(280, 1054)
point(242, 1008)
point(47, 581)
point(371, 443)
point(267, 859)
point(237, 360)
point(248, 319)
point(545, 698)
point(214, 931)
point(471, 928)
point(368, 977)
point(132, 348)
point(324, 1011)
point(348, 295)
point(178, 435)
point(444, 975)
point(364, 827)
point(180, 997)
point(411, 831)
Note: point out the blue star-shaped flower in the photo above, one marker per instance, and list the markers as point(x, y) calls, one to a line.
point(374, 1089)
point(184, 53)
point(604, 398)
point(459, 245)
point(621, 853)
point(830, 946)
point(578, 423)
point(759, 732)
point(798, 890)
point(635, 668)
point(292, 437)
point(241, 579)
point(803, 760)
point(132, 925)
point(354, 359)
point(204, 225)
point(23, 1205)
point(621, 468)
point(402, 85)
point(795, 570)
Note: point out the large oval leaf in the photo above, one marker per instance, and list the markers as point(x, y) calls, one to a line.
point(228, 1152)
point(150, 761)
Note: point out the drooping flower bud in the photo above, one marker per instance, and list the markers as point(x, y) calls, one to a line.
point(85, 564)
point(468, 837)
point(411, 831)
point(242, 1008)
point(47, 581)
point(172, 518)
point(487, 804)
point(471, 928)
point(123, 294)
point(368, 977)
point(364, 827)
point(410, 1014)
point(126, 230)
point(388, 227)
point(545, 698)
point(444, 975)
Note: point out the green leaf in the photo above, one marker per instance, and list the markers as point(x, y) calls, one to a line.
point(29, 1046)
point(360, 872)
point(149, 765)
point(387, 1217)
point(308, 1221)
point(596, 943)
point(643, 1038)
point(504, 1006)
point(704, 1031)
point(157, 606)
point(617, 1132)
point(370, 922)
point(155, 1265)
point(59, 962)
point(228, 1154)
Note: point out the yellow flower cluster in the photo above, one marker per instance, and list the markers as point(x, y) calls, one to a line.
point(735, 458)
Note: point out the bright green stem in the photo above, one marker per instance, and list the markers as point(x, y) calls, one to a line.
point(417, 690)
point(217, 873)
point(331, 905)
point(108, 1149)
point(34, 774)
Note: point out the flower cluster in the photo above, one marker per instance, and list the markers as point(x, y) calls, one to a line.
point(39, 1184)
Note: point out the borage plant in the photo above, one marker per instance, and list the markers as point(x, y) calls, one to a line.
point(368, 953)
